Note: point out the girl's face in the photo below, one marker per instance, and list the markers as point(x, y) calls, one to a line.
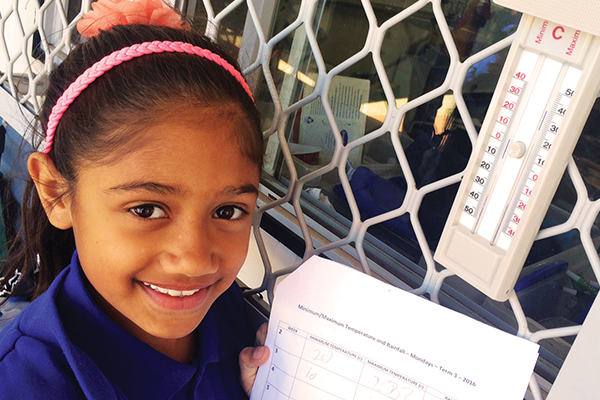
point(162, 232)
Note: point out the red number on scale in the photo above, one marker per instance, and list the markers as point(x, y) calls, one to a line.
point(516, 219)
point(520, 75)
point(521, 205)
point(528, 191)
point(515, 90)
point(503, 120)
point(509, 105)
point(534, 177)
point(498, 135)
point(511, 232)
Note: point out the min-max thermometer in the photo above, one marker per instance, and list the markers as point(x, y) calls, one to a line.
point(542, 100)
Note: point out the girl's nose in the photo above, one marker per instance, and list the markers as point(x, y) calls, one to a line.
point(190, 251)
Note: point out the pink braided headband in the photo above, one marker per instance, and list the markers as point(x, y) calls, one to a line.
point(126, 54)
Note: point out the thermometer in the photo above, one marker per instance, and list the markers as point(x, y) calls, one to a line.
point(545, 92)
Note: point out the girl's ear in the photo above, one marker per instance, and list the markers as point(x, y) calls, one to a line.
point(51, 187)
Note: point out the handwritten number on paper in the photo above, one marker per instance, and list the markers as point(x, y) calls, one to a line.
point(324, 358)
point(390, 388)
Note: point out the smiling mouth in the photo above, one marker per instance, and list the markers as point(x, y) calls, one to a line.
point(171, 292)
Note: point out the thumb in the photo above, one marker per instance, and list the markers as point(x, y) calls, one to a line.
point(250, 359)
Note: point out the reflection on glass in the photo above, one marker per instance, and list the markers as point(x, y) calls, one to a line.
point(341, 31)
point(475, 24)
point(416, 61)
point(385, 10)
point(562, 203)
point(479, 84)
point(231, 28)
point(417, 65)
point(219, 5)
point(440, 147)
point(292, 65)
point(286, 13)
point(586, 153)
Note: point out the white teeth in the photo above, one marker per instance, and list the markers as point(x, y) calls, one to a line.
point(171, 292)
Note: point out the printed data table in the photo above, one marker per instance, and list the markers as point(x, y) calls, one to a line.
point(336, 333)
point(305, 364)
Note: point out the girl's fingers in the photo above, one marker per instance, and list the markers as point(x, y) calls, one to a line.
point(250, 359)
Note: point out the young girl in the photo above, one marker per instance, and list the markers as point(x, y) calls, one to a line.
point(136, 222)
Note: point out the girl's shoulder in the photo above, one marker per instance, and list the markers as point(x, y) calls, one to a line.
point(32, 368)
point(10, 309)
point(38, 321)
point(33, 329)
point(33, 323)
point(32, 363)
point(37, 359)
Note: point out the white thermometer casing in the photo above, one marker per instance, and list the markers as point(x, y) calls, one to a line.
point(545, 92)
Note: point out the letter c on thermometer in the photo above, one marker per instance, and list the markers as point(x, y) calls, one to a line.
point(554, 34)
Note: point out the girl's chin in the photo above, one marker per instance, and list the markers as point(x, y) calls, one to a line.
point(173, 333)
point(171, 330)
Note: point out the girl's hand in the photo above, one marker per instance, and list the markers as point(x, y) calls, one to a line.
point(253, 357)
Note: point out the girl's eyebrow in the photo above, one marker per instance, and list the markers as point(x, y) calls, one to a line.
point(239, 190)
point(153, 187)
point(160, 188)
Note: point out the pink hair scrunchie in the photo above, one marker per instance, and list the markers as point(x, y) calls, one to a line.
point(107, 13)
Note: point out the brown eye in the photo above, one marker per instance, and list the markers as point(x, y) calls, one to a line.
point(229, 212)
point(148, 211)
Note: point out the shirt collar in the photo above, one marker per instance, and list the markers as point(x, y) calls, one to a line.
point(129, 363)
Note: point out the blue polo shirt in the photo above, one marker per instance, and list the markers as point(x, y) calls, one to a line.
point(64, 346)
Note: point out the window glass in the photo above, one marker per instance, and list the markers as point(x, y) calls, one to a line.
point(231, 28)
point(586, 153)
point(431, 139)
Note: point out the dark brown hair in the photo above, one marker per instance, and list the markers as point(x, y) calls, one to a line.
point(100, 125)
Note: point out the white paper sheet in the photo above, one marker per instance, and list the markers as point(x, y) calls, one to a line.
point(336, 333)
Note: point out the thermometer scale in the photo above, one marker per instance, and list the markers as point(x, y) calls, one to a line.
point(543, 97)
